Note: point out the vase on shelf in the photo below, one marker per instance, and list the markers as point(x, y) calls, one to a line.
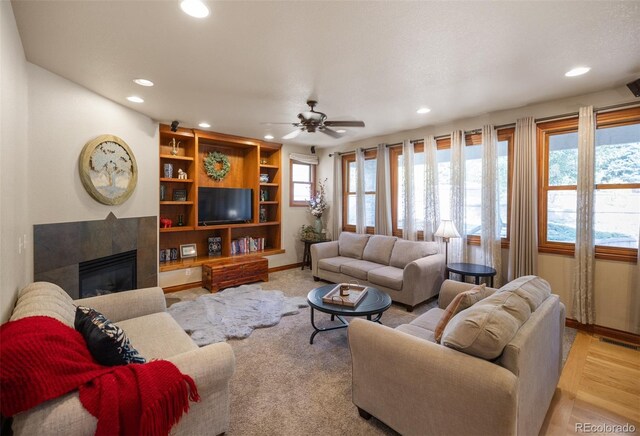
point(318, 225)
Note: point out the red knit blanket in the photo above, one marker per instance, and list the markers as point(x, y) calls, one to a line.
point(41, 359)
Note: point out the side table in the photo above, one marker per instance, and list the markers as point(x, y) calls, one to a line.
point(306, 255)
point(472, 269)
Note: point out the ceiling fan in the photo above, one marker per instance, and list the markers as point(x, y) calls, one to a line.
point(312, 121)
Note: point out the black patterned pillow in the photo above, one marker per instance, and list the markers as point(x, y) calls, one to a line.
point(106, 341)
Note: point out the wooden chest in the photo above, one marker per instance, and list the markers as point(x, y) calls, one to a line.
point(225, 273)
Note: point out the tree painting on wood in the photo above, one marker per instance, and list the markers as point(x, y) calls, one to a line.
point(111, 169)
point(108, 169)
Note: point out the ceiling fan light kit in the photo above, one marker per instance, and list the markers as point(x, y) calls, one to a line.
point(312, 121)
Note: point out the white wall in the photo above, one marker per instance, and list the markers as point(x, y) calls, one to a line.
point(617, 284)
point(14, 177)
point(63, 117)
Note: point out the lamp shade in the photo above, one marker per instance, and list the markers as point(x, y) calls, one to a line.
point(447, 229)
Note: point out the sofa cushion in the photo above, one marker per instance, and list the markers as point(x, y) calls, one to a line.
point(429, 320)
point(358, 268)
point(460, 302)
point(484, 329)
point(405, 252)
point(416, 331)
point(157, 336)
point(334, 263)
point(107, 343)
point(533, 289)
point(352, 244)
point(388, 276)
point(45, 299)
point(379, 248)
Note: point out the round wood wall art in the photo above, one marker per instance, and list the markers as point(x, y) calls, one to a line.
point(108, 169)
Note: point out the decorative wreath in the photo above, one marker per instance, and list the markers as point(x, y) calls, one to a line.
point(217, 165)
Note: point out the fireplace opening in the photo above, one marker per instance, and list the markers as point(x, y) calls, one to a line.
point(108, 274)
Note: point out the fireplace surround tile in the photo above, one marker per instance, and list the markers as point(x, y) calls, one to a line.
point(60, 247)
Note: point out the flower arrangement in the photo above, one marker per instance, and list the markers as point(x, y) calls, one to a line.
point(317, 202)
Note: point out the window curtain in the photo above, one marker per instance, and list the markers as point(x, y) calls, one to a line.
point(583, 295)
point(383, 192)
point(432, 202)
point(409, 227)
point(336, 209)
point(457, 245)
point(523, 232)
point(490, 242)
point(360, 197)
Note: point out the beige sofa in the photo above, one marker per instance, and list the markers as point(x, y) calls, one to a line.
point(418, 387)
point(155, 334)
point(409, 271)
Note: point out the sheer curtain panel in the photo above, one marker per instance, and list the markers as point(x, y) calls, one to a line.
point(583, 296)
point(490, 241)
point(336, 212)
point(360, 197)
point(457, 246)
point(432, 202)
point(383, 192)
point(523, 233)
point(409, 227)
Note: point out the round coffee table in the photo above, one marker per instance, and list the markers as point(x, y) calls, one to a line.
point(375, 302)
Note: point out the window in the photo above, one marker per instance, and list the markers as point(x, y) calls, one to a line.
point(473, 183)
point(617, 185)
point(398, 192)
point(302, 183)
point(350, 180)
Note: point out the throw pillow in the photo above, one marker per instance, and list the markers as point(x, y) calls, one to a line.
point(462, 301)
point(107, 343)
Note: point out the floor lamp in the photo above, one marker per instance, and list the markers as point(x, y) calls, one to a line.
point(446, 230)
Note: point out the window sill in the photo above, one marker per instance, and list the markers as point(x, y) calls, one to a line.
point(602, 253)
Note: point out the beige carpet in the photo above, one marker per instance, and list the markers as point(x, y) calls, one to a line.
point(285, 386)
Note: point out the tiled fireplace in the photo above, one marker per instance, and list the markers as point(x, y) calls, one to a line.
point(89, 258)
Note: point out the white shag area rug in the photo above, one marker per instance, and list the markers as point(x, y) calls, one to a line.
point(233, 313)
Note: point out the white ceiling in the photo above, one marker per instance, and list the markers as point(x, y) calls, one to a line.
point(254, 62)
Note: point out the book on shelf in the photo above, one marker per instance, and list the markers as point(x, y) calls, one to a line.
point(247, 244)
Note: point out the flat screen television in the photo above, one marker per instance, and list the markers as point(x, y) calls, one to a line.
point(224, 205)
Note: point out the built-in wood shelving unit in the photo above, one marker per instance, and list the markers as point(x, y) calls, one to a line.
point(249, 158)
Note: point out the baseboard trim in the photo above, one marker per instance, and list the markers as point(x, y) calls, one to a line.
point(285, 267)
point(620, 335)
point(176, 288)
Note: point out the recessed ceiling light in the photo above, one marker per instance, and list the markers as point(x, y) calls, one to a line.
point(135, 99)
point(195, 8)
point(341, 131)
point(579, 71)
point(268, 136)
point(423, 110)
point(205, 125)
point(143, 82)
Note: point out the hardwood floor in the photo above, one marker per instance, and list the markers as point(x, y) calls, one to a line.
point(600, 385)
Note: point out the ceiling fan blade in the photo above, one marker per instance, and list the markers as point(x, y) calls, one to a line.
point(292, 134)
point(288, 124)
point(330, 132)
point(344, 123)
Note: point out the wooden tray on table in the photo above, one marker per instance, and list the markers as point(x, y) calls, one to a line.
point(356, 294)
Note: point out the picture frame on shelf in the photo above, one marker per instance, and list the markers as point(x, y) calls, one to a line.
point(179, 195)
point(188, 251)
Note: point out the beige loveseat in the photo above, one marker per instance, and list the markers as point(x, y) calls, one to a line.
point(155, 334)
point(419, 387)
point(409, 271)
